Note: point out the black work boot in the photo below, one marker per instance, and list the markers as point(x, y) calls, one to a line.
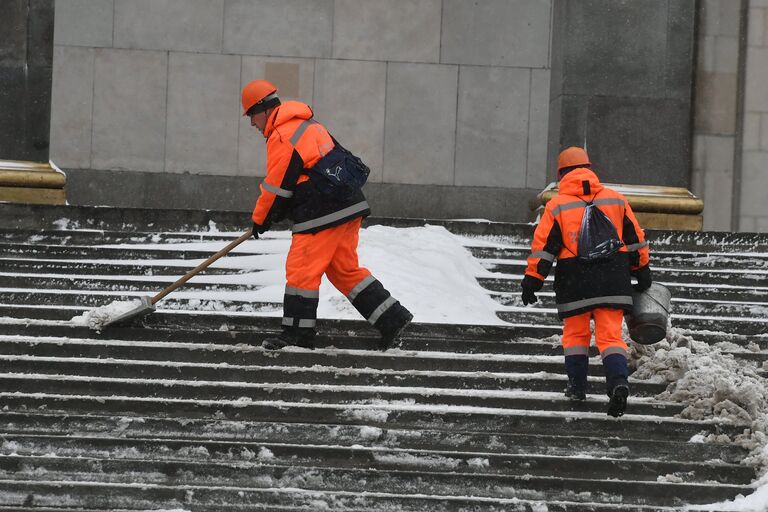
point(391, 324)
point(618, 402)
point(577, 367)
point(617, 386)
point(575, 392)
point(291, 336)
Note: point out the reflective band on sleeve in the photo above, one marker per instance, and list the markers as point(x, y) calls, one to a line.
point(544, 255)
point(287, 321)
point(612, 299)
point(327, 219)
point(276, 190)
point(388, 303)
point(613, 350)
point(300, 131)
point(310, 294)
point(576, 351)
point(635, 247)
point(362, 285)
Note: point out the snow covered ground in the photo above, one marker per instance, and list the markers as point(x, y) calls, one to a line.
point(434, 275)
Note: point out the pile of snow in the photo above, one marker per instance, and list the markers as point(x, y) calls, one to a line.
point(97, 318)
point(427, 269)
point(714, 385)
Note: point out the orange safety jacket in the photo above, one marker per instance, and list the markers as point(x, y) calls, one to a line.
point(295, 142)
point(582, 286)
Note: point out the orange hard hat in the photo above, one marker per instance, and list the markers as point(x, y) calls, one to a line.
point(260, 94)
point(572, 157)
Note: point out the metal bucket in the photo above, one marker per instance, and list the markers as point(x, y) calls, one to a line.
point(648, 322)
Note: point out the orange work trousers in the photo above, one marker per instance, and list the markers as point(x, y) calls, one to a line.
point(577, 333)
point(333, 252)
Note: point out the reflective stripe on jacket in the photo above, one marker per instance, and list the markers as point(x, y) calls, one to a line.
point(582, 286)
point(295, 142)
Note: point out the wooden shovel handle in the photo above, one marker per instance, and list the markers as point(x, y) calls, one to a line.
point(189, 275)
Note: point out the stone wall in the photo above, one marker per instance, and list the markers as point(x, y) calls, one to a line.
point(753, 207)
point(717, 102)
point(621, 87)
point(26, 48)
point(446, 100)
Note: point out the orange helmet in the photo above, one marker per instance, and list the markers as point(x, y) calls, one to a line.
point(572, 157)
point(258, 96)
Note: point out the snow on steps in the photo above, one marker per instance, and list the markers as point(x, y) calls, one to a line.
point(182, 410)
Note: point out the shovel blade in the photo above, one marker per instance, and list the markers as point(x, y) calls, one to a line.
point(146, 307)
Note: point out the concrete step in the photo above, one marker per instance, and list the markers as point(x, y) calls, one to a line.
point(105, 283)
point(95, 236)
point(75, 302)
point(149, 356)
point(389, 414)
point(317, 375)
point(139, 268)
point(425, 480)
point(42, 251)
point(660, 259)
point(167, 453)
point(730, 293)
point(179, 389)
point(206, 498)
point(218, 436)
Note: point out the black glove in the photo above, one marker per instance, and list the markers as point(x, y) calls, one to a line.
point(643, 276)
point(258, 229)
point(530, 285)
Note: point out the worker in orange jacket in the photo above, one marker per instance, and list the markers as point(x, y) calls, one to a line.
point(584, 290)
point(325, 230)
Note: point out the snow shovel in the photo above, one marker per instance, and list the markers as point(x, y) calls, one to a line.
point(147, 304)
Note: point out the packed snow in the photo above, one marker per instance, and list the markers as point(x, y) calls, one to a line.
point(426, 268)
point(714, 385)
point(97, 318)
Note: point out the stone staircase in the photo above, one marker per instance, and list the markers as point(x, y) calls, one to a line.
point(183, 410)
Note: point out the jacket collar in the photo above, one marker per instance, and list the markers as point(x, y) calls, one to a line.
point(581, 182)
point(286, 112)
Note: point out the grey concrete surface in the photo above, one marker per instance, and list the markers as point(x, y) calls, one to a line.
point(132, 189)
point(613, 50)
point(638, 140)
point(492, 128)
point(129, 109)
point(420, 125)
point(349, 100)
point(390, 30)
point(538, 130)
point(84, 23)
point(289, 28)
point(496, 32)
point(624, 73)
point(203, 113)
point(184, 25)
point(757, 78)
point(73, 96)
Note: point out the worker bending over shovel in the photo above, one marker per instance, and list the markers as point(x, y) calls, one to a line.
point(313, 181)
point(598, 243)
